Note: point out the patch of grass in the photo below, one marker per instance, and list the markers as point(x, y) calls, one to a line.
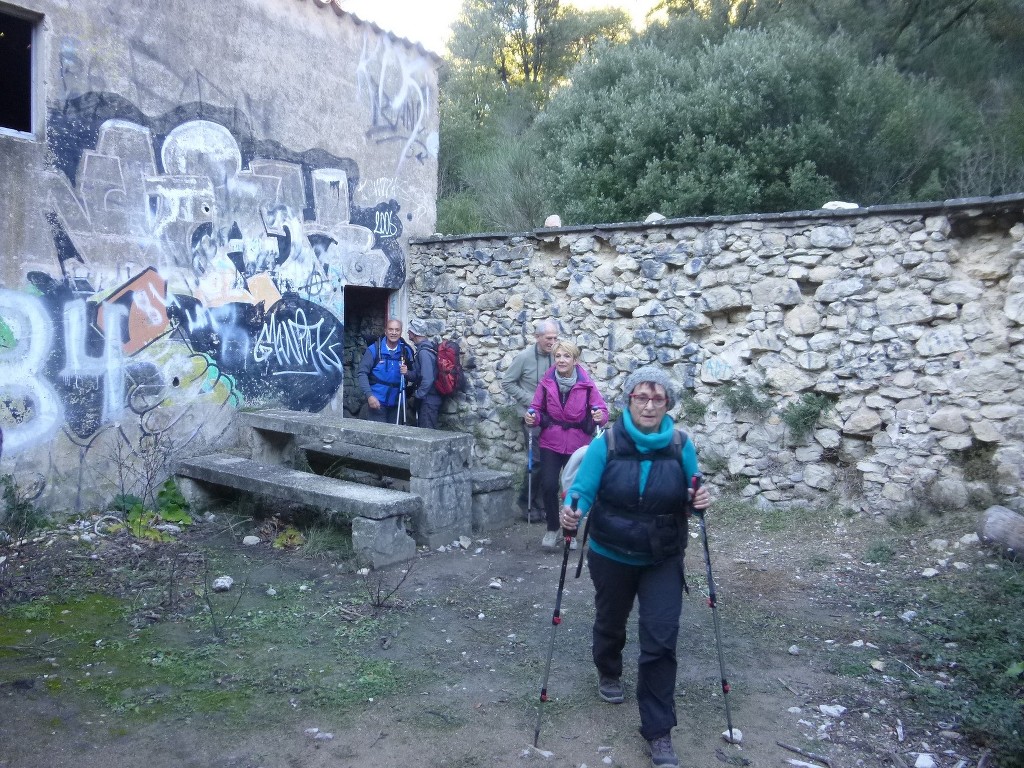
point(692, 409)
point(743, 398)
point(268, 659)
point(328, 541)
point(969, 649)
point(819, 562)
point(880, 552)
point(712, 464)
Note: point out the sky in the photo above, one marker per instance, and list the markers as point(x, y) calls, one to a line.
point(428, 21)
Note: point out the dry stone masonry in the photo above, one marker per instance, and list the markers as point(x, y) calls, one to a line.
point(908, 320)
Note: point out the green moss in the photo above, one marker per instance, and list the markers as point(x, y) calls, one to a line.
point(86, 646)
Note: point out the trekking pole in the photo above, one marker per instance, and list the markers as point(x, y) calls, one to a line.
point(556, 619)
point(713, 604)
point(399, 411)
point(529, 470)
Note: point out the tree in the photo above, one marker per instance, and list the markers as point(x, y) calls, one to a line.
point(506, 57)
point(766, 120)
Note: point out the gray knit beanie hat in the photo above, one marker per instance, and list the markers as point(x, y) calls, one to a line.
point(651, 374)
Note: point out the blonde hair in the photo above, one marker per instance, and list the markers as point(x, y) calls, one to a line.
point(567, 346)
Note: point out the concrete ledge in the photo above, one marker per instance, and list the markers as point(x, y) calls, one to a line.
point(361, 454)
point(429, 452)
point(377, 514)
point(487, 480)
point(302, 487)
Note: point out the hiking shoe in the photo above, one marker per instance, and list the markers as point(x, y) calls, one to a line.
point(550, 540)
point(662, 753)
point(610, 689)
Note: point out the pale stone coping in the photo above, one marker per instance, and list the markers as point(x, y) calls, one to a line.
point(972, 206)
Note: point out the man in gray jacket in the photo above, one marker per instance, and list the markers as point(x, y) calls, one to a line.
point(422, 375)
point(520, 383)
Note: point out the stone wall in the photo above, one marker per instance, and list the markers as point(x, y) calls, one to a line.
point(907, 321)
point(204, 187)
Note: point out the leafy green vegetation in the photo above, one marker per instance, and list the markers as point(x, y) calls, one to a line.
point(692, 409)
point(743, 398)
point(20, 514)
point(143, 523)
point(726, 107)
point(802, 415)
point(970, 638)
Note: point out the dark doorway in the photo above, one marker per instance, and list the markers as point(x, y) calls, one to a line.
point(366, 311)
point(16, 66)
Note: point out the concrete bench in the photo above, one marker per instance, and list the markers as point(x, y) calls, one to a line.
point(432, 464)
point(377, 514)
point(494, 496)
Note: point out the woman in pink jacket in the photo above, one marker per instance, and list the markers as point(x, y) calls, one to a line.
point(568, 408)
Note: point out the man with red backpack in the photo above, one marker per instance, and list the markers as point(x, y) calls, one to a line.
point(436, 374)
point(423, 376)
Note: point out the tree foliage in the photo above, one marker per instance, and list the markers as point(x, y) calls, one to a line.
point(730, 106)
point(766, 120)
point(506, 57)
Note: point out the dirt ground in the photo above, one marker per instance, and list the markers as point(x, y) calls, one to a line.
point(464, 638)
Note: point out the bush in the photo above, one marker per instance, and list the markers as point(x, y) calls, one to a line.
point(743, 398)
point(802, 416)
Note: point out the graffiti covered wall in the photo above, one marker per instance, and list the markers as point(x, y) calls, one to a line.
point(178, 233)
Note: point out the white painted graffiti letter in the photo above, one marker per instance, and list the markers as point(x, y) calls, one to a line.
point(21, 367)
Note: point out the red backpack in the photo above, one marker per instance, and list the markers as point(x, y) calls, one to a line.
point(450, 376)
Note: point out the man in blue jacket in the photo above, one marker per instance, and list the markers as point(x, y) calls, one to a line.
point(380, 373)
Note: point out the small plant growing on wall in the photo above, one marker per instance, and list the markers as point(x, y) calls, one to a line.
point(801, 416)
point(743, 398)
point(692, 409)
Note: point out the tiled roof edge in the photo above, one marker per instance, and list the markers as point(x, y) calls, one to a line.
point(335, 6)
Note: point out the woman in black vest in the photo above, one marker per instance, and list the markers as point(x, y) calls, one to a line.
point(635, 482)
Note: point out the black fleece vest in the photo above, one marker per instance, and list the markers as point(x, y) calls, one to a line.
point(652, 525)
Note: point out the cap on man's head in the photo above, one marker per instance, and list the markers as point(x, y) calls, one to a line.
point(418, 327)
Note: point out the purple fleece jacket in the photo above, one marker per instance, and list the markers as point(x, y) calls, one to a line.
point(548, 405)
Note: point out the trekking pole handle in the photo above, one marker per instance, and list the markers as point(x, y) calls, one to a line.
point(573, 504)
point(697, 481)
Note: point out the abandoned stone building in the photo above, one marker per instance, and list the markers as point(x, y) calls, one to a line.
point(206, 211)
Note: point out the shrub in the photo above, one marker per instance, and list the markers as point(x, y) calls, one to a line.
point(802, 416)
point(743, 398)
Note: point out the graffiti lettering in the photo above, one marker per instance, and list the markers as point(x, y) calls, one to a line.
point(21, 363)
point(298, 346)
point(384, 227)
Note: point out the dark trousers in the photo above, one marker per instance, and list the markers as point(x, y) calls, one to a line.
point(386, 414)
point(551, 466)
point(532, 469)
point(427, 412)
point(659, 591)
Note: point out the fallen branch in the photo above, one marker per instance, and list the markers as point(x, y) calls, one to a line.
point(909, 667)
point(810, 755)
point(787, 686)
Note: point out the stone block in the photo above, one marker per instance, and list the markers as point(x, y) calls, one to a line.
point(494, 500)
point(447, 511)
point(378, 543)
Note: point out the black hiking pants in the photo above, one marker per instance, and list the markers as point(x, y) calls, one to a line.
point(551, 467)
point(659, 591)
